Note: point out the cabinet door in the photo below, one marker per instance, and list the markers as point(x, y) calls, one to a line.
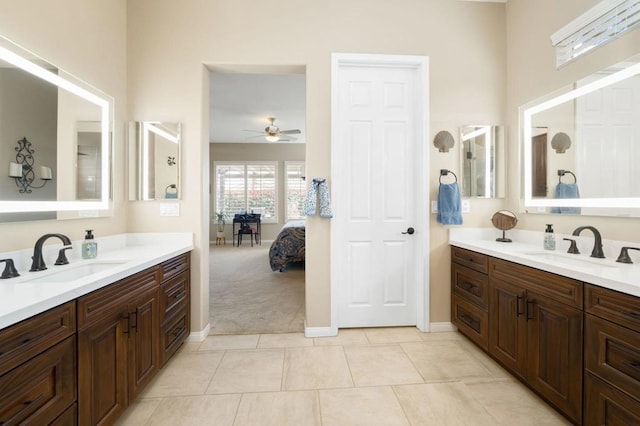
point(606, 405)
point(102, 357)
point(144, 341)
point(554, 353)
point(507, 325)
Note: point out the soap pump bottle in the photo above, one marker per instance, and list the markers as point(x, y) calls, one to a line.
point(89, 246)
point(549, 238)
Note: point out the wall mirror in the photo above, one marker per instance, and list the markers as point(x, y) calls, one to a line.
point(483, 161)
point(154, 160)
point(47, 117)
point(581, 146)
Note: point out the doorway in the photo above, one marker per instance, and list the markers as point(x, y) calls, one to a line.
point(257, 163)
point(380, 232)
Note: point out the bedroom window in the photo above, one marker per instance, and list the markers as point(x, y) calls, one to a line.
point(247, 187)
point(295, 189)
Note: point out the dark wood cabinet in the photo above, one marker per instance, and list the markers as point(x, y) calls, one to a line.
point(470, 295)
point(102, 368)
point(536, 331)
point(174, 306)
point(83, 362)
point(38, 367)
point(508, 326)
point(118, 344)
point(612, 357)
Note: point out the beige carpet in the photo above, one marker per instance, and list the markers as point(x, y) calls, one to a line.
point(247, 297)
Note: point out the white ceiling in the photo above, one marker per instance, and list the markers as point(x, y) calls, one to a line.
point(243, 101)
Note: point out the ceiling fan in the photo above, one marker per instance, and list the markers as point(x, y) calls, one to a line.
point(272, 133)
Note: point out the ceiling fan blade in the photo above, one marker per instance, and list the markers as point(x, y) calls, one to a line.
point(288, 139)
point(254, 131)
point(254, 137)
point(291, 132)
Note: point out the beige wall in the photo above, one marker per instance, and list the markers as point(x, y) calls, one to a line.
point(170, 44)
point(88, 40)
point(279, 152)
point(532, 73)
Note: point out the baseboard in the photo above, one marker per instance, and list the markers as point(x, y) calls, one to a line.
point(319, 331)
point(441, 327)
point(199, 336)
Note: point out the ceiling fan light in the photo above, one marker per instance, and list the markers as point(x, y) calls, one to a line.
point(272, 138)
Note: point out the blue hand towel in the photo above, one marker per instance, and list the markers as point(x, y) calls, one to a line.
point(449, 204)
point(566, 190)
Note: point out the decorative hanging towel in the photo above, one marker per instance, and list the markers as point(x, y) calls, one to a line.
point(449, 204)
point(318, 189)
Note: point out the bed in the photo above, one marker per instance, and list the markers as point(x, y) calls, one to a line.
point(288, 247)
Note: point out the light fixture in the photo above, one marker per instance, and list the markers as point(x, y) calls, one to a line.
point(443, 141)
point(272, 138)
point(22, 170)
point(560, 142)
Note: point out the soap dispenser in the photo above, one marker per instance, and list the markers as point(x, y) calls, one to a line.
point(549, 238)
point(89, 246)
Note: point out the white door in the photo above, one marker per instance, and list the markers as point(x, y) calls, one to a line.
point(378, 233)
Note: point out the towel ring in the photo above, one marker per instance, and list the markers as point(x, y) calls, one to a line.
point(564, 172)
point(444, 172)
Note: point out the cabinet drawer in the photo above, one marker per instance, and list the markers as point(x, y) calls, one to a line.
point(472, 321)
point(561, 289)
point(68, 418)
point(41, 389)
point(172, 334)
point(606, 405)
point(174, 295)
point(618, 307)
point(105, 301)
point(613, 353)
point(174, 266)
point(470, 285)
point(28, 338)
point(470, 259)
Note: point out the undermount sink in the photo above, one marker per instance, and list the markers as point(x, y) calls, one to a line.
point(75, 272)
point(569, 259)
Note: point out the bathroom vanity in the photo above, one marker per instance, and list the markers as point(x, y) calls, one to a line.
point(85, 360)
point(568, 332)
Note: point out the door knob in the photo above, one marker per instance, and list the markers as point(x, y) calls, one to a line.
point(409, 231)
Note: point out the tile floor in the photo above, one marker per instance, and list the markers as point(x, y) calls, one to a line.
point(390, 376)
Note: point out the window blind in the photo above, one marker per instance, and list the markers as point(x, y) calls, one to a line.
point(599, 25)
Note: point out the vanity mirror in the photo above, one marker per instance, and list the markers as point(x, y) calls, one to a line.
point(154, 160)
point(47, 119)
point(483, 161)
point(581, 146)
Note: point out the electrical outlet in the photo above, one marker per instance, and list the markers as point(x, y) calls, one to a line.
point(466, 206)
point(169, 209)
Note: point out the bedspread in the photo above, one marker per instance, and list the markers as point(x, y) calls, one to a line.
point(289, 246)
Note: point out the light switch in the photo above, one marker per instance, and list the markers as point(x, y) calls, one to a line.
point(466, 206)
point(169, 209)
point(434, 207)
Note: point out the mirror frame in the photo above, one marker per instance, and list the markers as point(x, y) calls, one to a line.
point(17, 56)
point(526, 113)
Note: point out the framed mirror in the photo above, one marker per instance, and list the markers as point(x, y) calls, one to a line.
point(44, 113)
point(154, 160)
point(581, 146)
point(483, 161)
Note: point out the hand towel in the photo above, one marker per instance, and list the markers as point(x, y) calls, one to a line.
point(318, 189)
point(566, 190)
point(449, 204)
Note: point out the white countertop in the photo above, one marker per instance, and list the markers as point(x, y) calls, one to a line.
point(126, 255)
point(526, 249)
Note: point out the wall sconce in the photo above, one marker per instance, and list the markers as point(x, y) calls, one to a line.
point(443, 141)
point(560, 142)
point(22, 170)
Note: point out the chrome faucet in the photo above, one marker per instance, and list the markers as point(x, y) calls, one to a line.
point(38, 261)
point(597, 245)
